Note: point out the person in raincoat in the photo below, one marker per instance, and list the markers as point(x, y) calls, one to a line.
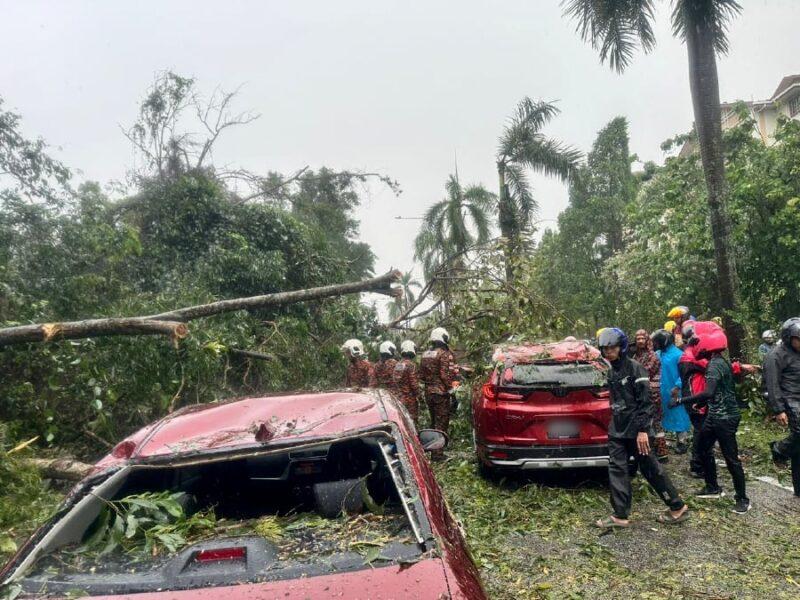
point(644, 355)
point(675, 419)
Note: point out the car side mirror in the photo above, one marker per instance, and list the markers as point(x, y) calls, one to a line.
point(432, 439)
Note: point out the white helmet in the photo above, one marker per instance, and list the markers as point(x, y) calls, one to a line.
point(388, 348)
point(408, 347)
point(769, 335)
point(570, 338)
point(353, 348)
point(439, 335)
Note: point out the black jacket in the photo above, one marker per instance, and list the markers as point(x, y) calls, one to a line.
point(631, 407)
point(782, 377)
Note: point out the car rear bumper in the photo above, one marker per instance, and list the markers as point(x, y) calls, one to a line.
point(544, 457)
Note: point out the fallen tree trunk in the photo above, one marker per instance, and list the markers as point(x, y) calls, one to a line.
point(59, 468)
point(172, 323)
point(379, 285)
point(71, 330)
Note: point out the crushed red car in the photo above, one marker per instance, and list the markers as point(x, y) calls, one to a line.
point(545, 406)
point(323, 465)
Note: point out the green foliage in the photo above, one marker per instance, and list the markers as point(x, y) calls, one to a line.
point(31, 170)
point(487, 310)
point(175, 244)
point(453, 225)
point(179, 241)
point(25, 501)
point(569, 264)
point(618, 28)
point(149, 523)
point(664, 256)
point(522, 148)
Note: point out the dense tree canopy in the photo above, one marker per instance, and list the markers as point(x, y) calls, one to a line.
point(183, 236)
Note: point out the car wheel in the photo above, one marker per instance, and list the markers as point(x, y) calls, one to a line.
point(335, 497)
point(487, 472)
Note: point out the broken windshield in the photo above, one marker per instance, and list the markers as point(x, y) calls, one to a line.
point(298, 513)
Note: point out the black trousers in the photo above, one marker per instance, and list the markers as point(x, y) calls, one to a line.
point(790, 445)
point(620, 471)
point(695, 464)
point(722, 431)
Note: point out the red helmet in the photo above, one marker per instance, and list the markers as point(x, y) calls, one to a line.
point(710, 338)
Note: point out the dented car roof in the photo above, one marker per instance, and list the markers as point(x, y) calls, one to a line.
point(554, 351)
point(247, 422)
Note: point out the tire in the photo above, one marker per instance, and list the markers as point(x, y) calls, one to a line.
point(332, 498)
point(487, 472)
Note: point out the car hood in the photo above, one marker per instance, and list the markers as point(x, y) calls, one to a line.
point(424, 580)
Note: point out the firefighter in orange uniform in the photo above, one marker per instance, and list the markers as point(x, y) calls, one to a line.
point(437, 371)
point(405, 381)
point(384, 368)
point(359, 370)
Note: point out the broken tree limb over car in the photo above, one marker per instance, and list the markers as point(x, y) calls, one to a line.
point(172, 323)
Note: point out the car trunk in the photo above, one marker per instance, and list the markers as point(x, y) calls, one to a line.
point(311, 510)
point(553, 404)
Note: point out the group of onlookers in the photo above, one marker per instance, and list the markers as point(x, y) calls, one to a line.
point(678, 379)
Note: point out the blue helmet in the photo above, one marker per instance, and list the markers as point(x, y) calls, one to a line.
point(613, 336)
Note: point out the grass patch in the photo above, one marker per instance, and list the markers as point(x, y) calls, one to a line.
point(532, 536)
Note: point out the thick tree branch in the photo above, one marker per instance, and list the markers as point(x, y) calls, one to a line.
point(71, 330)
point(172, 323)
point(60, 468)
point(378, 285)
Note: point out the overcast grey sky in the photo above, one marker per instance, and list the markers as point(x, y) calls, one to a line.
point(397, 87)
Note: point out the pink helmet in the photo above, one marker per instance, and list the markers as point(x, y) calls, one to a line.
point(710, 338)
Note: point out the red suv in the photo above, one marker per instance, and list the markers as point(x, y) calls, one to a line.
point(545, 406)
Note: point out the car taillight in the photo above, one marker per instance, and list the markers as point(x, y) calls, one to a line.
point(124, 449)
point(489, 391)
point(510, 396)
point(221, 554)
point(602, 394)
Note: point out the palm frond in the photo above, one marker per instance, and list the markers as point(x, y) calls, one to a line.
point(528, 119)
point(453, 188)
point(519, 188)
point(549, 157)
point(482, 198)
point(480, 221)
point(615, 28)
point(713, 16)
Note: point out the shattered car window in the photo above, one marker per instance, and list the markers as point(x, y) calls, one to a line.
point(554, 374)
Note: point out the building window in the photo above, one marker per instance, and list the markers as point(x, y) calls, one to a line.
point(794, 105)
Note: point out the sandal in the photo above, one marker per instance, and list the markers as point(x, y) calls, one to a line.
point(609, 523)
point(667, 519)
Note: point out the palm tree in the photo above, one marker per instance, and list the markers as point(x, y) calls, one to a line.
point(407, 285)
point(616, 28)
point(453, 225)
point(396, 308)
point(524, 147)
point(401, 304)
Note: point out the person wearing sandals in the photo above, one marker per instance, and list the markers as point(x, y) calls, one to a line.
point(629, 436)
point(722, 420)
